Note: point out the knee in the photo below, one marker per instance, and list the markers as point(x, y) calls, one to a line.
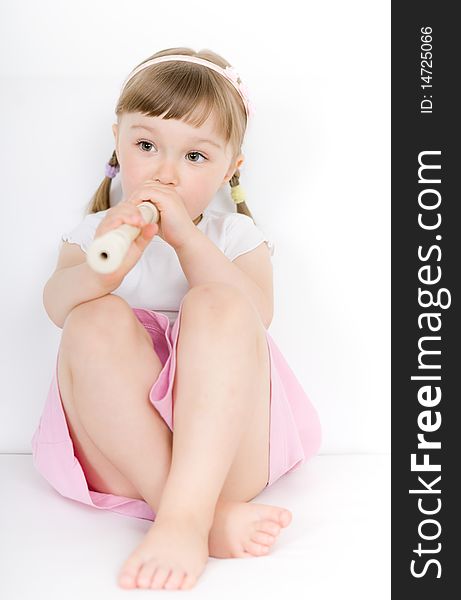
point(98, 320)
point(215, 300)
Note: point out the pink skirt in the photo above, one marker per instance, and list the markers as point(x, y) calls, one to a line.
point(295, 432)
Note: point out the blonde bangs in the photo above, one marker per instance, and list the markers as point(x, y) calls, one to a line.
point(186, 92)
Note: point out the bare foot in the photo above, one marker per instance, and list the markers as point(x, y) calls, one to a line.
point(174, 553)
point(241, 529)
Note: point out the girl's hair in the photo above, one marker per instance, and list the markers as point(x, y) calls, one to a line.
point(188, 92)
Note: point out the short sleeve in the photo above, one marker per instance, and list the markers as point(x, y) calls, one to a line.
point(83, 233)
point(242, 235)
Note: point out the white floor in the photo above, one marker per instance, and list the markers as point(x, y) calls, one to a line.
point(337, 546)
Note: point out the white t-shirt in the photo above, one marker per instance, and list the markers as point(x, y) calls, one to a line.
point(157, 281)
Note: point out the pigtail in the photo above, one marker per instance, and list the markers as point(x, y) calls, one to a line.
point(242, 207)
point(101, 198)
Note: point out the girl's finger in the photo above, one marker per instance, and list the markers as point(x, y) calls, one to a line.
point(133, 216)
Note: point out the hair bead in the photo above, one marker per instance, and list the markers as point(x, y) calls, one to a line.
point(238, 195)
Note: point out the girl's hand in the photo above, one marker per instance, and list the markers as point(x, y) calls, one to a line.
point(121, 213)
point(175, 225)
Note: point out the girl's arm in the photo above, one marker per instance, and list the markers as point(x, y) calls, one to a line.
point(70, 286)
point(203, 262)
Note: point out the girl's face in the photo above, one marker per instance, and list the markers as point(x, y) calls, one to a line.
point(195, 161)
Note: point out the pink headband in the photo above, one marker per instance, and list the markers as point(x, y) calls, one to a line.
point(229, 73)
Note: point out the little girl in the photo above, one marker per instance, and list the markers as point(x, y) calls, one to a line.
point(175, 340)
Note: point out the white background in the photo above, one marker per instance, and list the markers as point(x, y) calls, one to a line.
point(317, 175)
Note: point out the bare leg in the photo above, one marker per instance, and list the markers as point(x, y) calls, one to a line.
point(214, 396)
point(106, 368)
point(214, 399)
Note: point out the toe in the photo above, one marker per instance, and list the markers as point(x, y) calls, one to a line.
point(189, 582)
point(144, 578)
point(285, 517)
point(269, 527)
point(280, 515)
point(129, 573)
point(175, 579)
point(265, 539)
point(127, 581)
point(256, 549)
point(160, 576)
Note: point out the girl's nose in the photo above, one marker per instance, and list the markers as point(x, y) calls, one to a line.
point(166, 173)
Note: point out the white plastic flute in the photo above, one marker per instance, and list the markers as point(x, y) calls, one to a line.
point(107, 252)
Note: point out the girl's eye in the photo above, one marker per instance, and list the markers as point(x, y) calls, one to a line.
point(142, 144)
point(198, 154)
